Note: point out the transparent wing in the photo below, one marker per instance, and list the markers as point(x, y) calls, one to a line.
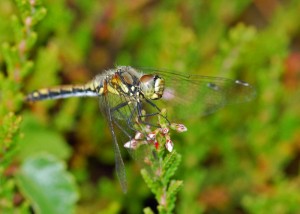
point(123, 115)
point(120, 168)
point(193, 95)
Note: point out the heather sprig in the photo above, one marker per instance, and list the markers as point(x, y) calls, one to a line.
point(163, 164)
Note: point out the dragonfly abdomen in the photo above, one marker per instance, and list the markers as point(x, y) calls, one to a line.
point(62, 92)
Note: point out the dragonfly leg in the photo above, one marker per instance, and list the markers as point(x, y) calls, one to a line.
point(123, 130)
point(153, 114)
point(130, 118)
point(141, 115)
point(116, 108)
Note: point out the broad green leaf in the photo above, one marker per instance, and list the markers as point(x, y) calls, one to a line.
point(41, 139)
point(44, 181)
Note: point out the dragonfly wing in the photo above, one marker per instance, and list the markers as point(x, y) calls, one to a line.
point(120, 168)
point(123, 116)
point(201, 95)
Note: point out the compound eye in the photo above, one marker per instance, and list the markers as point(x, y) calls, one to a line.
point(147, 78)
point(152, 86)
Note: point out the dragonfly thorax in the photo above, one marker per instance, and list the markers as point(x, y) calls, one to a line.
point(152, 86)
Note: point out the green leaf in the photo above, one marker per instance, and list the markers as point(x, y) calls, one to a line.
point(30, 40)
point(9, 133)
point(41, 139)
point(153, 185)
point(39, 14)
point(17, 28)
point(170, 165)
point(11, 58)
point(173, 189)
point(27, 68)
point(24, 7)
point(44, 180)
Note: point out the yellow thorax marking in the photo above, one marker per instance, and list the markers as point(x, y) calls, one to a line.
point(112, 90)
point(116, 82)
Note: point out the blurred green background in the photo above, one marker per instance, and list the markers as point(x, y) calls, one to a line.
point(241, 159)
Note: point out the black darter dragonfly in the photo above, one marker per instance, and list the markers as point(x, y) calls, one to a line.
point(125, 93)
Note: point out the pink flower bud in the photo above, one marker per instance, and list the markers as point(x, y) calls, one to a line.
point(138, 136)
point(178, 127)
point(164, 130)
point(148, 128)
point(132, 144)
point(151, 136)
point(169, 145)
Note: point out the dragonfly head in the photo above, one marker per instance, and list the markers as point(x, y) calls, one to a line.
point(152, 86)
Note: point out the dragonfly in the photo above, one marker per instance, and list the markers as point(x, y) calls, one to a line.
point(124, 93)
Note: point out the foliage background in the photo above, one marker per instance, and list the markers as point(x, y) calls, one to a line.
point(242, 159)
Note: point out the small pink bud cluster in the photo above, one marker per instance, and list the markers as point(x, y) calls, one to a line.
point(136, 141)
point(151, 137)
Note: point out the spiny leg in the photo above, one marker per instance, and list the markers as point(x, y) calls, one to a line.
point(129, 119)
point(122, 129)
point(158, 109)
point(142, 115)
